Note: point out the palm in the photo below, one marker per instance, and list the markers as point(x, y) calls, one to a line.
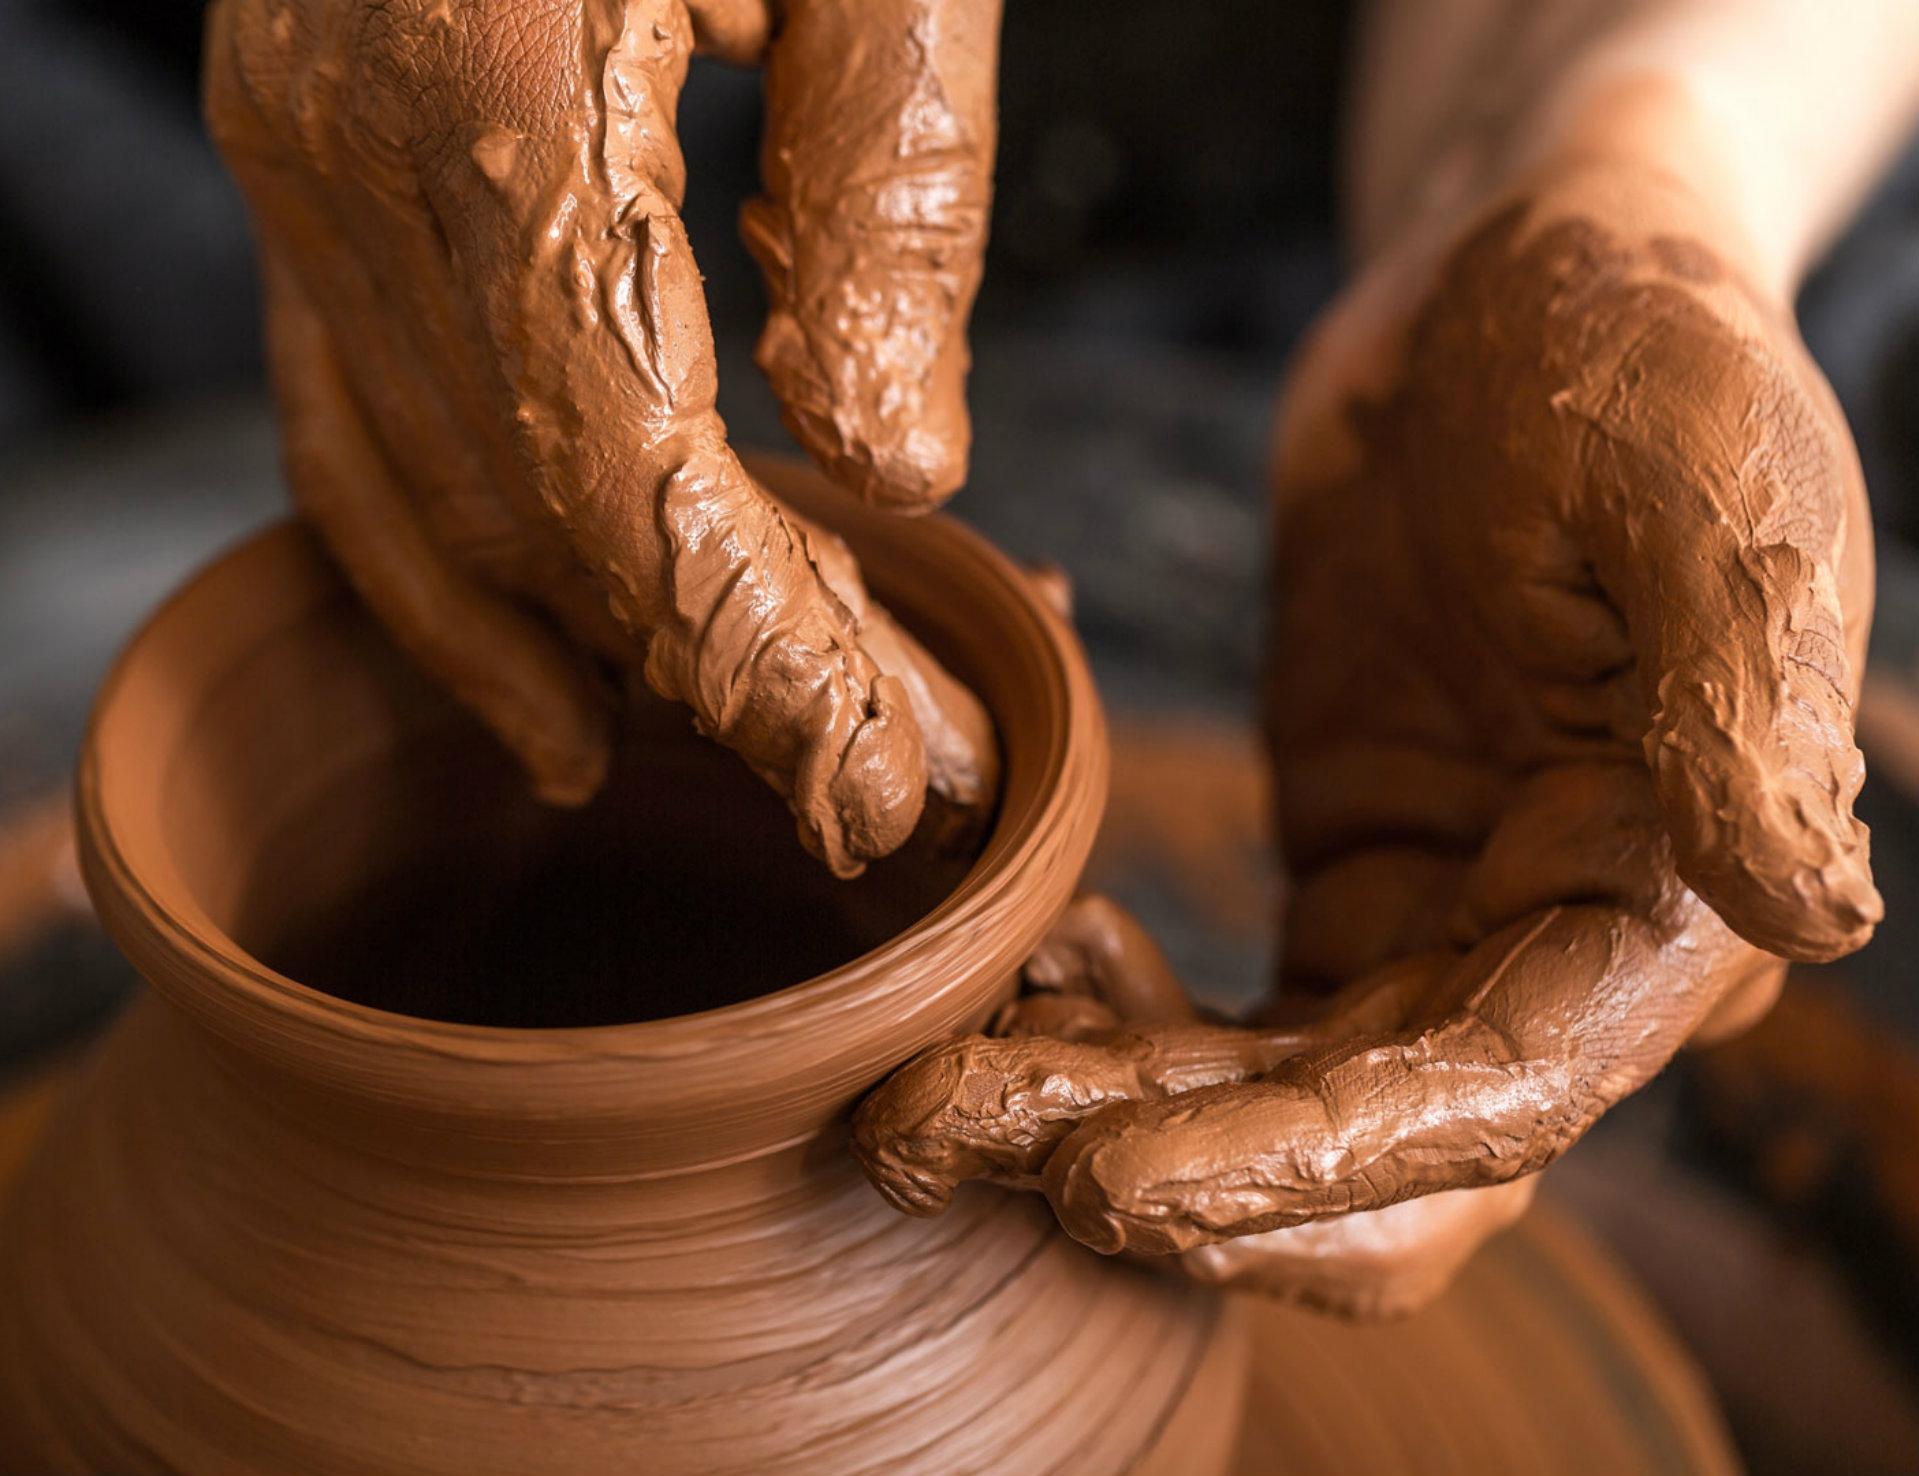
point(1472, 745)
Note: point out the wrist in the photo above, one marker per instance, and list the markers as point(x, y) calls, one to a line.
point(1640, 148)
point(1682, 164)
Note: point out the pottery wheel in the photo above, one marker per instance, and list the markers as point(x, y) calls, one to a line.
point(1543, 1360)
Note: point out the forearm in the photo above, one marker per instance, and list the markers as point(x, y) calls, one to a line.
point(1779, 113)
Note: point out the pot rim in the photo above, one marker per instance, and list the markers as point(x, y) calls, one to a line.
point(820, 1041)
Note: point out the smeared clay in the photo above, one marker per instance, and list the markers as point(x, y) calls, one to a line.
point(491, 352)
point(1103, 1021)
point(877, 164)
point(1573, 590)
point(962, 760)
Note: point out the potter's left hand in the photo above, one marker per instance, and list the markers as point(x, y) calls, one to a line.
point(1574, 584)
point(1102, 1020)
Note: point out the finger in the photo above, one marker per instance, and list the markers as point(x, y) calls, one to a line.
point(734, 31)
point(39, 879)
point(1099, 948)
point(1591, 830)
point(980, 1107)
point(1378, 1264)
point(1061, 1016)
point(1587, 830)
point(962, 751)
point(877, 166)
point(1358, 913)
point(1534, 1034)
point(1743, 1006)
point(368, 248)
point(996, 1108)
point(538, 697)
point(1383, 1000)
point(1356, 792)
point(1096, 970)
point(1721, 549)
point(565, 231)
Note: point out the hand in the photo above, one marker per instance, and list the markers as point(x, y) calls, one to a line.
point(1574, 582)
point(491, 353)
point(1101, 1020)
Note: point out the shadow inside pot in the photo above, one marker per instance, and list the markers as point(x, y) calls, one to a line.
point(424, 879)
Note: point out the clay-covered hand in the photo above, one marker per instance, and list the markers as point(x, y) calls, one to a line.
point(1101, 1020)
point(495, 372)
point(1573, 589)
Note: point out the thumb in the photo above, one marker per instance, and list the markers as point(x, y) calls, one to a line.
point(1732, 598)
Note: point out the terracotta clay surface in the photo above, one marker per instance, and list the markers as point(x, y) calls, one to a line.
point(490, 349)
point(1540, 1358)
point(1573, 590)
point(273, 1229)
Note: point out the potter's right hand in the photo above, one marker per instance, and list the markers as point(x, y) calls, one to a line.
point(1575, 579)
point(492, 358)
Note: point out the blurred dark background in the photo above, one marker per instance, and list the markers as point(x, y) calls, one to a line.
point(1162, 234)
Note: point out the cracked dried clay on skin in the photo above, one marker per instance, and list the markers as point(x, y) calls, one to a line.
point(1104, 1021)
point(1573, 591)
point(490, 347)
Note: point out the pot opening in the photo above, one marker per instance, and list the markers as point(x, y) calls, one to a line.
point(426, 881)
point(289, 831)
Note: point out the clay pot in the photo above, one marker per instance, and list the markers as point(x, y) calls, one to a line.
point(276, 1229)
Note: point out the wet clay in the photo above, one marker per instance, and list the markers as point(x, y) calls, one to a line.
point(1568, 627)
point(1103, 1021)
point(490, 349)
point(276, 1229)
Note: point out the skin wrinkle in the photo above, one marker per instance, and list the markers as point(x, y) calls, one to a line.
point(1602, 584)
point(480, 203)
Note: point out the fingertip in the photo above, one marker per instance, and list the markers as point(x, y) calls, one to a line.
point(876, 796)
point(1072, 1184)
point(1787, 867)
point(907, 1188)
point(897, 437)
point(1100, 1183)
point(555, 719)
point(1814, 915)
point(909, 470)
point(1761, 819)
point(910, 1193)
point(729, 31)
point(568, 778)
point(1846, 908)
point(826, 846)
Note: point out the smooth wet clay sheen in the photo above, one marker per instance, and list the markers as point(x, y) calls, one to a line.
point(490, 350)
point(275, 1229)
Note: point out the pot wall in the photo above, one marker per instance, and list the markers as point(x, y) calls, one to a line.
point(276, 1231)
